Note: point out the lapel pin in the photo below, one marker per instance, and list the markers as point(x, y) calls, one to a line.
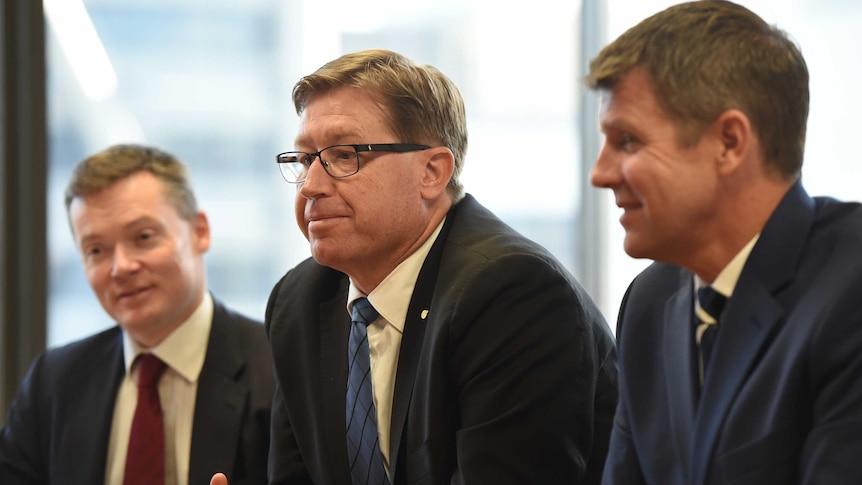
point(424, 314)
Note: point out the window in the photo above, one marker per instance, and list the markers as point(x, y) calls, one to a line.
point(210, 81)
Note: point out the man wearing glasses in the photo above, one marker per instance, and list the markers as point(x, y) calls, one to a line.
point(425, 341)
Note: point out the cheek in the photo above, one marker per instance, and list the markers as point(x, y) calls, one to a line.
point(299, 213)
point(652, 176)
point(97, 277)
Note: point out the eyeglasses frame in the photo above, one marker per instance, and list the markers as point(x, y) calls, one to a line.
point(358, 148)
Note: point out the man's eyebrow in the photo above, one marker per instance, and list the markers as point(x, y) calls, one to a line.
point(340, 137)
point(144, 220)
point(614, 125)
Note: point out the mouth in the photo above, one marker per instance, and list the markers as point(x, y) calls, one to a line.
point(630, 210)
point(316, 219)
point(129, 294)
point(628, 205)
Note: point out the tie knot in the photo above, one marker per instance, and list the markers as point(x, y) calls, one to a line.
point(711, 301)
point(150, 368)
point(363, 312)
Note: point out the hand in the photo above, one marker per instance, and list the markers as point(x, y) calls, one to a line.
point(219, 479)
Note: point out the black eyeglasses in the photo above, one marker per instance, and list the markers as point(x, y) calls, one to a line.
point(339, 161)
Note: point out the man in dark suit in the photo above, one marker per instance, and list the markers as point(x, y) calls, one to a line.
point(142, 239)
point(704, 108)
point(489, 363)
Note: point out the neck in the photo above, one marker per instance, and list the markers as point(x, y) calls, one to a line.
point(741, 217)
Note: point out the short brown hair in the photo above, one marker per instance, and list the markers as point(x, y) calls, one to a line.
point(101, 170)
point(708, 56)
point(423, 105)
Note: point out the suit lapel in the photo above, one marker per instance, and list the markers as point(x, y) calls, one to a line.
point(89, 420)
point(219, 404)
point(752, 315)
point(681, 367)
point(333, 378)
point(745, 327)
point(412, 340)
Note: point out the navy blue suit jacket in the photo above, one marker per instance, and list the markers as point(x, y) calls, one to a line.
point(510, 377)
point(60, 421)
point(782, 401)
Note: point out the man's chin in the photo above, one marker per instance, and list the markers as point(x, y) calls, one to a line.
point(327, 254)
point(134, 321)
point(636, 248)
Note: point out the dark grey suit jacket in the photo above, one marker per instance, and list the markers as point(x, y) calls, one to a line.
point(782, 401)
point(60, 421)
point(510, 379)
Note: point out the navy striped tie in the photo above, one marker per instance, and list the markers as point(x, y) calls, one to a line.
point(712, 302)
point(363, 450)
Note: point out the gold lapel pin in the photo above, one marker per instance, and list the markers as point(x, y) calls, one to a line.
point(424, 314)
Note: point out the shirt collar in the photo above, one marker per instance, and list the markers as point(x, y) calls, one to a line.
point(726, 280)
point(391, 298)
point(184, 349)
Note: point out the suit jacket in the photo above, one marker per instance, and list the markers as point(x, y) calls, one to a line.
point(510, 378)
point(782, 400)
point(60, 420)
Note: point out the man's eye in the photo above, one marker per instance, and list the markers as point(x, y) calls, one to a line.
point(302, 159)
point(628, 142)
point(146, 237)
point(341, 155)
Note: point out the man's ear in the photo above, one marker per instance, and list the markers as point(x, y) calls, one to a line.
point(201, 229)
point(736, 138)
point(438, 169)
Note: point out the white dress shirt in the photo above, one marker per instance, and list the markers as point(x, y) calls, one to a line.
point(726, 280)
point(184, 351)
point(391, 299)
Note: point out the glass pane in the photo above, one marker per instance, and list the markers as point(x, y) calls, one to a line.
point(210, 81)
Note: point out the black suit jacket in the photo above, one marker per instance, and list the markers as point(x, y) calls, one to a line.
point(60, 421)
point(782, 400)
point(511, 377)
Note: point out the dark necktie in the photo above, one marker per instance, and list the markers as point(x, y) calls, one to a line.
point(712, 302)
point(363, 450)
point(145, 462)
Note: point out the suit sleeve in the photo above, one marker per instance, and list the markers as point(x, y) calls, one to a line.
point(526, 366)
point(21, 454)
point(622, 466)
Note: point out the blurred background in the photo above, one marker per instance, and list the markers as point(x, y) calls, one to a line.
point(210, 81)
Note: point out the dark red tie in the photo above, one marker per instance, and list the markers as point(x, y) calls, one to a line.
point(145, 462)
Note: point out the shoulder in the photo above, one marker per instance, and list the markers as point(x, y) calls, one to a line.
point(234, 319)
point(305, 286)
point(830, 248)
point(485, 260)
point(238, 330)
point(85, 350)
point(82, 357)
point(844, 218)
point(309, 277)
point(658, 281)
point(648, 294)
point(478, 237)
